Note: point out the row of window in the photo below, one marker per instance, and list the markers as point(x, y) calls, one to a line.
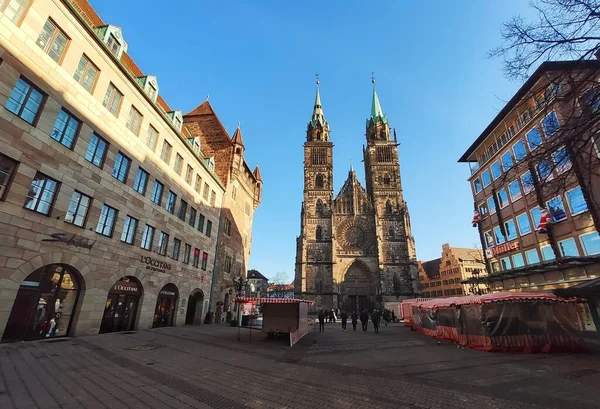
point(442, 293)
point(590, 242)
point(442, 282)
point(44, 189)
point(508, 159)
point(27, 100)
point(556, 208)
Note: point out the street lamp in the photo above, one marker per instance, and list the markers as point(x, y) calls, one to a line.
point(239, 284)
point(475, 289)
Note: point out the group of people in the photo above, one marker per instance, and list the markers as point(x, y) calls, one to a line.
point(376, 316)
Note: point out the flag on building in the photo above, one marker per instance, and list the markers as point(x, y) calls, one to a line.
point(545, 220)
point(476, 218)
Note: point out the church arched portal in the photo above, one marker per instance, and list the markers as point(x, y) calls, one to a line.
point(357, 290)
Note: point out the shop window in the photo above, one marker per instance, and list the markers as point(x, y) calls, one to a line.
point(96, 150)
point(7, 172)
point(25, 101)
point(505, 263)
point(86, 73)
point(517, 260)
point(78, 209)
point(66, 128)
point(106, 223)
point(42, 192)
point(52, 40)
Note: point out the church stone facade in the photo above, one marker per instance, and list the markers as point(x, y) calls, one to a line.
point(355, 250)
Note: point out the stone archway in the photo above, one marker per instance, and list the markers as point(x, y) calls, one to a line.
point(357, 288)
point(195, 306)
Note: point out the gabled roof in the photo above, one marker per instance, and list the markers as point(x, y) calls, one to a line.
point(467, 254)
point(522, 92)
point(432, 267)
point(256, 275)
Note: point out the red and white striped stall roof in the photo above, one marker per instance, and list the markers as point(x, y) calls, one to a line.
point(265, 300)
point(489, 298)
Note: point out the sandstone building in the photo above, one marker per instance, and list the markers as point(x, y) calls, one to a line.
point(442, 276)
point(355, 250)
point(110, 206)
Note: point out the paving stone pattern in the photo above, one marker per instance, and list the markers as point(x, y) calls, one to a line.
point(207, 367)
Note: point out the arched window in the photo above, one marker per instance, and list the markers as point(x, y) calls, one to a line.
point(391, 231)
point(382, 134)
point(318, 284)
point(318, 135)
point(387, 180)
point(319, 233)
point(388, 207)
point(319, 180)
point(319, 206)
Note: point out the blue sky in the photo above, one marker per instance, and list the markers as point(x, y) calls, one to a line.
point(258, 59)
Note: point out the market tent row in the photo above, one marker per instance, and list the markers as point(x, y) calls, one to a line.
point(283, 315)
point(525, 322)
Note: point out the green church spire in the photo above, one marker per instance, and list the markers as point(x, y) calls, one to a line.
point(376, 111)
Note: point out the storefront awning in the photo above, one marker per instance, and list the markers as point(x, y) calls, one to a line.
point(265, 300)
point(489, 298)
point(585, 289)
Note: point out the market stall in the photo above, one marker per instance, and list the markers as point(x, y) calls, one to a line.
point(283, 315)
point(525, 322)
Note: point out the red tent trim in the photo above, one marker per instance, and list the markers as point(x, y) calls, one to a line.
point(265, 300)
point(489, 298)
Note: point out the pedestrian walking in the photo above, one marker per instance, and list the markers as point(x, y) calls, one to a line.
point(375, 319)
point(386, 316)
point(364, 319)
point(321, 321)
point(333, 317)
point(344, 317)
point(354, 320)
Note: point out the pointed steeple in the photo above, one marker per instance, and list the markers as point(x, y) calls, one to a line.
point(256, 174)
point(351, 167)
point(376, 111)
point(237, 136)
point(318, 117)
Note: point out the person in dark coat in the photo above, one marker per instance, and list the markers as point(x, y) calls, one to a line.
point(354, 320)
point(344, 317)
point(321, 321)
point(364, 319)
point(375, 319)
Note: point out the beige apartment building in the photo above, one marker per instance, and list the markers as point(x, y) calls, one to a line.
point(513, 185)
point(443, 276)
point(110, 206)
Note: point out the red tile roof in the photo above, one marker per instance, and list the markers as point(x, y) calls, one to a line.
point(131, 65)
point(256, 174)
point(237, 137)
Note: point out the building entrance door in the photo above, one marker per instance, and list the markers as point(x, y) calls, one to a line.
point(194, 308)
point(121, 306)
point(165, 306)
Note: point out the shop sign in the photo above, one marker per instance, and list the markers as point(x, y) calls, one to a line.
point(72, 240)
point(503, 248)
point(155, 265)
point(167, 293)
point(125, 287)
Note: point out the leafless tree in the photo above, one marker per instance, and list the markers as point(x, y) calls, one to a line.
point(567, 150)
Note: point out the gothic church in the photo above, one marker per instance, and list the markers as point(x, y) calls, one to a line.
point(355, 251)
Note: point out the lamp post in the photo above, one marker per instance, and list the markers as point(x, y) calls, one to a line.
point(475, 289)
point(239, 284)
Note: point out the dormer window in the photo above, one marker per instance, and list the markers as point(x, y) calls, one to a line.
point(177, 123)
point(176, 118)
point(152, 91)
point(113, 44)
point(195, 143)
point(211, 163)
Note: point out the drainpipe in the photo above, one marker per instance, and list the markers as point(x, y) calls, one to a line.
point(214, 273)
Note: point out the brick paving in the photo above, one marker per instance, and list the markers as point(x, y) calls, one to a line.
point(207, 367)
